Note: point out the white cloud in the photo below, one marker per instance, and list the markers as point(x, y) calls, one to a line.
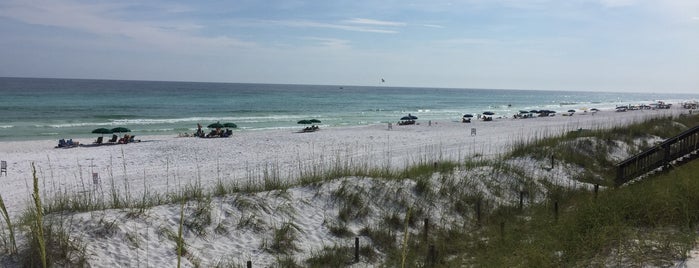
point(97, 19)
point(333, 43)
point(432, 26)
point(315, 24)
point(617, 3)
point(365, 21)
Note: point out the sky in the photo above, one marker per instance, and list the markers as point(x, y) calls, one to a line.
point(590, 45)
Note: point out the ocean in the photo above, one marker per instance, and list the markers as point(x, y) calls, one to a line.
point(41, 108)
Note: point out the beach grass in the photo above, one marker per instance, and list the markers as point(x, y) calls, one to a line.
point(646, 223)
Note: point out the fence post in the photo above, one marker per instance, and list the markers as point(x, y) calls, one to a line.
point(431, 257)
point(551, 161)
point(427, 228)
point(356, 249)
point(502, 230)
point(478, 212)
point(596, 190)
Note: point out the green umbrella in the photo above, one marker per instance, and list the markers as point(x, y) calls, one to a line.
point(230, 125)
point(305, 122)
point(215, 125)
point(120, 130)
point(315, 121)
point(102, 131)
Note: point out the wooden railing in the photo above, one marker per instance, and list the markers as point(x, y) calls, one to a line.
point(659, 156)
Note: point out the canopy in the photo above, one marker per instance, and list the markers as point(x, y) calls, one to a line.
point(215, 125)
point(120, 130)
point(102, 131)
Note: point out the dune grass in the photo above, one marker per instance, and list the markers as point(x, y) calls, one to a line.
point(648, 223)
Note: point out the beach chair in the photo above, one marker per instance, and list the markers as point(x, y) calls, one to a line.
point(114, 139)
point(96, 178)
point(62, 143)
point(3, 167)
point(99, 140)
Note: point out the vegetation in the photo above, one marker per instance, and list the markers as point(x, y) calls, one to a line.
point(482, 224)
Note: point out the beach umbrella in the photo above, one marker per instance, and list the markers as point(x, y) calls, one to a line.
point(304, 122)
point(571, 111)
point(536, 112)
point(102, 131)
point(215, 125)
point(120, 130)
point(412, 116)
point(523, 112)
point(594, 110)
point(314, 121)
point(230, 125)
point(468, 115)
point(488, 113)
point(406, 118)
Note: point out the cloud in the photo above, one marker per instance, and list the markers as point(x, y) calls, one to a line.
point(617, 3)
point(432, 26)
point(364, 21)
point(333, 43)
point(99, 19)
point(315, 24)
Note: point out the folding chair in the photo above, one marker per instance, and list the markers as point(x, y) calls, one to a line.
point(3, 167)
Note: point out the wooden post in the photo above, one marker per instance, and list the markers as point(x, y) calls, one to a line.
point(356, 249)
point(478, 212)
point(427, 228)
point(596, 190)
point(555, 210)
point(431, 257)
point(551, 161)
point(249, 264)
point(502, 230)
point(521, 200)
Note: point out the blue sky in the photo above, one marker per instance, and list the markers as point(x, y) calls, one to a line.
point(595, 45)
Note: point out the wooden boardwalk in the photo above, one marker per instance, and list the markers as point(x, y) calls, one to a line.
point(683, 145)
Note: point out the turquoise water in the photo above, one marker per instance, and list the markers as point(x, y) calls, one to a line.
point(71, 108)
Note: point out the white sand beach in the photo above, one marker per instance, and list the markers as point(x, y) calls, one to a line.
point(166, 163)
